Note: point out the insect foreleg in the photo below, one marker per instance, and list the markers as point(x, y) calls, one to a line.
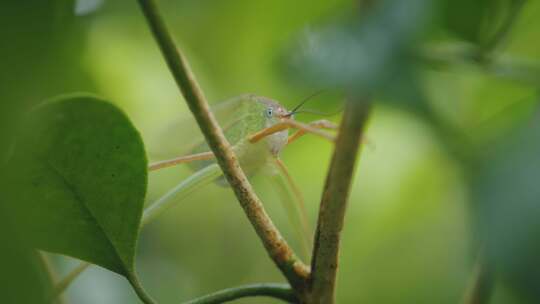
point(290, 124)
point(318, 124)
point(180, 160)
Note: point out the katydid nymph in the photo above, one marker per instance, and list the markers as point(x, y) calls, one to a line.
point(258, 129)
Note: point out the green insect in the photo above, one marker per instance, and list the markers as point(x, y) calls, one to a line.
point(258, 129)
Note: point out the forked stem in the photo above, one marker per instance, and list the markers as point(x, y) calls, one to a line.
point(276, 246)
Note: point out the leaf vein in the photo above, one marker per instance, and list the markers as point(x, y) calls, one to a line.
point(79, 198)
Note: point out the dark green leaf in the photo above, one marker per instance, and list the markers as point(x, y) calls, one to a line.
point(77, 181)
point(368, 55)
point(508, 207)
point(41, 54)
point(477, 21)
point(23, 278)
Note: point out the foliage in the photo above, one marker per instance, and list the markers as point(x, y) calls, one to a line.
point(74, 170)
point(22, 268)
point(507, 211)
point(78, 177)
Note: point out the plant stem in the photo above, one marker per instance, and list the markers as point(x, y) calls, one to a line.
point(278, 291)
point(278, 249)
point(481, 287)
point(139, 290)
point(334, 202)
point(51, 273)
point(61, 286)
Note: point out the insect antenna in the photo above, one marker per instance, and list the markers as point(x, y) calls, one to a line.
point(295, 109)
point(308, 111)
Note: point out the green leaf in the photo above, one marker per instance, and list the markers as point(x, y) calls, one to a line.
point(23, 278)
point(508, 207)
point(476, 21)
point(47, 41)
point(361, 52)
point(77, 181)
point(373, 54)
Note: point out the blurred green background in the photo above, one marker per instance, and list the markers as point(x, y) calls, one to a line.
point(410, 233)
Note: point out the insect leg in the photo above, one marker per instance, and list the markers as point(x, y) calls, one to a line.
point(180, 160)
point(290, 124)
point(293, 206)
point(299, 197)
point(319, 124)
point(176, 194)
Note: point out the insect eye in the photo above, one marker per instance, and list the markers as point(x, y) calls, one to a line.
point(269, 112)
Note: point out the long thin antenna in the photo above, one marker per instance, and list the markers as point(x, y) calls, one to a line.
point(303, 102)
point(308, 111)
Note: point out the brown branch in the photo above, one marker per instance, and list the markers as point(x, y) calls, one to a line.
point(278, 249)
point(334, 202)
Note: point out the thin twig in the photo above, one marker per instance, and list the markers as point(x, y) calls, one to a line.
point(480, 288)
point(278, 249)
point(277, 291)
point(61, 286)
point(52, 274)
point(334, 202)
